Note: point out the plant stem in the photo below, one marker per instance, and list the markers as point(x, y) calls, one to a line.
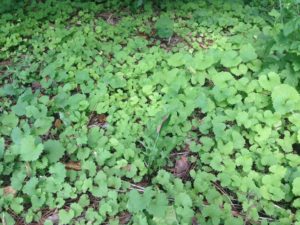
point(280, 6)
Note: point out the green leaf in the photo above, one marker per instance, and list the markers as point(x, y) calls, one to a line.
point(17, 205)
point(18, 178)
point(212, 211)
point(20, 108)
point(268, 82)
point(204, 60)
point(291, 26)
point(169, 219)
point(164, 27)
point(54, 150)
point(163, 124)
point(287, 142)
point(285, 99)
point(37, 201)
point(183, 199)
point(58, 172)
point(296, 186)
point(230, 59)
point(29, 150)
point(82, 76)
point(147, 89)
point(48, 222)
point(77, 209)
point(90, 166)
point(29, 187)
point(16, 135)
point(296, 203)
point(158, 205)
point(241, 69)
point(135, 202)
point(7, 219)
point(275, 13)
point(177, 59)
point(65, 217)
point(42, 125)
point(247, 53)
point(7, 123)
point(216, 162)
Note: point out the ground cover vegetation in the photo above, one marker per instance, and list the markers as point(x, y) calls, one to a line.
point(166, 112)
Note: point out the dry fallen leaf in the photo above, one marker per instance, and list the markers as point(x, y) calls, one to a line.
point(36, 85)
point(57, 123)
point(110, 18)
point(5, 63)
point(202, 45)
point(101, 119)
point(53, 218)
point(73, 166)
point(182, 167)
point(28, 169)
point(124, 218)
point(194, 221)
point(9, 190)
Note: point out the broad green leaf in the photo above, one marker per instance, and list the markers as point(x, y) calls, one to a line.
point(58, 172)
point(169, 219)
point(291, 26)
point(247, 53)
point(17, 205)
point(158, 205)
point(268, 82)
point(275, 13)
point(82, 76)
point(7, 123)
point(285, 99)
point(9, 220)
point(77, 209)
point(177, 60)
point(65, 217)
point(135, 202)
point(54, 150)
point(230, 59)
point(183, 199)
point(241, 69)
point(296, 186)
point(18, 178)
point(164, 27)
point(147, 89)
point(164, 123)
point(204, 60)
point(30, 186)
point(28, 149)
point(296, 203)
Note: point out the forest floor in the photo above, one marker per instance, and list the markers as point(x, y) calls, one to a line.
point(177, 114)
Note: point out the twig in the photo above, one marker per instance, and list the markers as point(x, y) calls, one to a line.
point(266, 218)
point(137, 187)
point(179, 153)
point(277, 206)
point(280, 6)
point(108, 19)
point(223, 192)
point(169, 41)
point(3, 219)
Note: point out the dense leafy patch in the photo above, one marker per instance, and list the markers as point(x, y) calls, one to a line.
point(183, 114)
